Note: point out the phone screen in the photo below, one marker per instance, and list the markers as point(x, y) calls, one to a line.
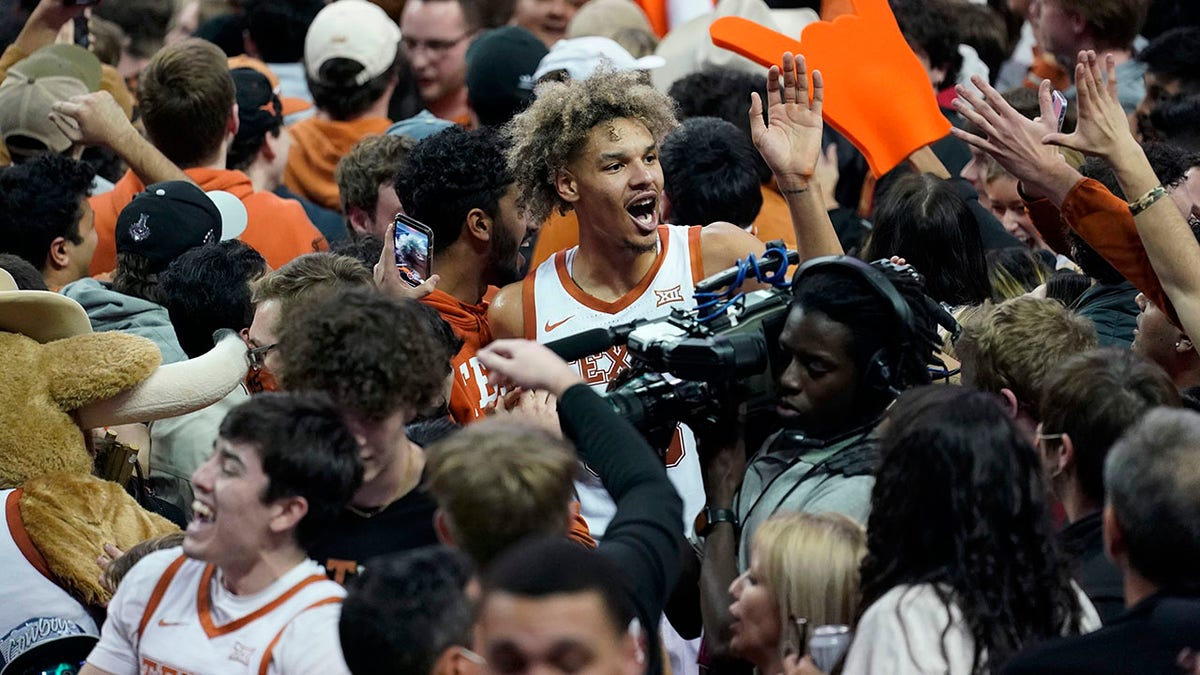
point(414, 244)
point(81, 31)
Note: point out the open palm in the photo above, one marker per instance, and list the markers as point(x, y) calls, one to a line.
point(791, 142)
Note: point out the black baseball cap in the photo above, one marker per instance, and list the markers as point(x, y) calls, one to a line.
point(171, 218)
point(259, 108)
point(500, 67)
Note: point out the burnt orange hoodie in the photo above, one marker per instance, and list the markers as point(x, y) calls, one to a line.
point(317, 146)
point(471, 393)
point(275, 227)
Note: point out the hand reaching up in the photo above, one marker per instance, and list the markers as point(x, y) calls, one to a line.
point(1012, 139)
point(1015, 141)
point(1103, 127)
point(791, 142)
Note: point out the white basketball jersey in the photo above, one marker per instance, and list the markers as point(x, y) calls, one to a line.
point(555, 307)
point(31, 599)
point(178, 632)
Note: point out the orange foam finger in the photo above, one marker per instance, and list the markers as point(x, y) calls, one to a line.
point(879, 98)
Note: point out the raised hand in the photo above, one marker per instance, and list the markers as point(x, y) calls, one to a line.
point(1012, 139)
point(791, 142)
point(1103, 127)
point(44, 23)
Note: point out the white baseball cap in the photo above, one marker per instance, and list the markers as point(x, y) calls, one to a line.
point(581, 56)
point(352, 29)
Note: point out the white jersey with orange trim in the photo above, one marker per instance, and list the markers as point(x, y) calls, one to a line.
point(33, 603)
point(173, 615)
point(555, 307)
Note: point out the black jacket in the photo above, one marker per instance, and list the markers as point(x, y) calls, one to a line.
point(645, 537)
point(1145, 640)
point(1101, 581)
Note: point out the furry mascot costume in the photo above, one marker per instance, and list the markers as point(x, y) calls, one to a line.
point(59, 380)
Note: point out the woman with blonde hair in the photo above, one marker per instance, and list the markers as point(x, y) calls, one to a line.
point(803, 572)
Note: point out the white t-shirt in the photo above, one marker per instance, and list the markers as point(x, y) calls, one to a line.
point(910, 630)
point(172, 613)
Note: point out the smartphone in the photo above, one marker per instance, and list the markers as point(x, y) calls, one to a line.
point(414, 250)
point(1060, 107)
point(81, 31)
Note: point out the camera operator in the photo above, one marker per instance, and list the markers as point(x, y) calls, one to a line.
point(856, 335)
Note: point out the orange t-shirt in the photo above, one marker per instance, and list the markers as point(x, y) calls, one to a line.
point(277, 228)
point(317, 147)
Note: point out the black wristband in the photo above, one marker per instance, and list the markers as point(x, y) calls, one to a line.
point(710, 517)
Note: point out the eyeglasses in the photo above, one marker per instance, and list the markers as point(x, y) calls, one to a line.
point(435, 48)
point(1042, 439)
point(258, 355)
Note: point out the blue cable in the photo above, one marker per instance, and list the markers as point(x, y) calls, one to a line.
point(709, 304)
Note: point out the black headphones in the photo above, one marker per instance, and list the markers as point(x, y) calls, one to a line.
point(879, 373)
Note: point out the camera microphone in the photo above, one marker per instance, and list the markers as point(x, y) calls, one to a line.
point(583, 344)
point(593, 341)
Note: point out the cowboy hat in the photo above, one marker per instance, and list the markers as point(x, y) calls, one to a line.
point(39, 315)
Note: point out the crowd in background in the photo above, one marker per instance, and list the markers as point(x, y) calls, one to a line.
point(980, 446)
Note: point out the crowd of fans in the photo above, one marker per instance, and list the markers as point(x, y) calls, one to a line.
point(979, 448)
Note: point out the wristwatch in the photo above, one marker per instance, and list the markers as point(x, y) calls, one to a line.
point(712, 516)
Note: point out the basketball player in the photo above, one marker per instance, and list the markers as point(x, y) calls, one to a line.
point(592, 146)
point(241, 596)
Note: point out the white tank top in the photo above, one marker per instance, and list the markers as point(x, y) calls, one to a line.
point(179, 633)
point(555, 307)
point(29, 600)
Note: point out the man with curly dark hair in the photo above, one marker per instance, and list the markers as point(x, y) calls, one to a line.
point(458, 183)
point(591, 146)
point(381, 363)
point(45, 217)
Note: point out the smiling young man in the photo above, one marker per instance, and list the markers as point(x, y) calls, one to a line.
point(241, 596)
point(458, 183)
point(592, 146)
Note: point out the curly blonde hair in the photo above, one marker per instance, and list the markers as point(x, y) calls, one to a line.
point(547, 135)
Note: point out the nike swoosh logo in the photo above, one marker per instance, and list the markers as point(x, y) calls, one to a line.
point(167, 624)
point(551, 326)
